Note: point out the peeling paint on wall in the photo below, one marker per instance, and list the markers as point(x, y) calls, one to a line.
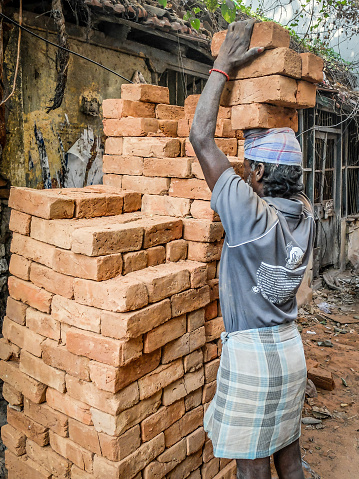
point(44, 161)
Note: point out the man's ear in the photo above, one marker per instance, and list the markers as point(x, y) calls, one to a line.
point(259, 172)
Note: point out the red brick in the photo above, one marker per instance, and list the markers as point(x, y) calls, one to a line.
point(35, 250)
point(109, 403)
point(145, 92)
point(227, 145)
point(189, 300)
point(259, 115)
point(214, 285)
point(269, 35)
point(159, 231)
point(48, 459)
point(165, 462)
point(306, 95)
point(16, 310)
point(195, 440)
point(92, 203)
point(204, 252)
point(209, 391)
point(321, 378)
point(184, 345)
point(27, 426)
point(208, 451)
point(191, 463)
point(169, 112)
point(134, 261)
point(163, 334)
point(24, 468)
point(217, 40)
point(77, 473)
point(122, 108)
point(214, 328)
point(210, 469)
point(312, 67)
point(167, 167)
point(20, 222)
point(193, 400)
point(43, 324)
point(8, 350)
point(130, 126)
point(58, 357)
point(67, 405)
point(20, 267)
point(160, 378)
point(37, 369)
point(22, 336)
point(133, 324)
point(29, 387)
point(51, 281)
point(71, 451)
point(49, 204)
point(84, 435)
point(156, 255)
point(47, 417)
point(74, 314)
point(195, 320)
point(182, 428)
point(29, 294)
point(117, 448)
point(200, 230)
point(146, 185)
point(224, 129)
point(193, 380)
point(176, 250)
point(13, 439)
point(202, 210)
point(167, 128)
point(190, 188)
point(183, 127)
point(275, 89)
point(198, 274)
point(211, 310)
point(122, 165)
point(165, 205)
point(194, 361)
point(161, 420)
point(102, 349)
point(53, 232)
point(151, 147)
point(12, 395)
point(113, 379)
point(228, 472)
point(190, 105)
point(210, 370)
point(114, 181)
point(114, 146)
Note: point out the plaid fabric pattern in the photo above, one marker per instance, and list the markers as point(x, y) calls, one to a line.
point(260, 393)
point(275, 145)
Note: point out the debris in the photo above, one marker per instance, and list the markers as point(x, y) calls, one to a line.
point(321, 412)
point(344, 382)
point(311, 332)
point(342, 319)
point(327, 343)
point(331, 282)
point(310, 389)
point(311, 421)
point(324, 307)
point(322, 378)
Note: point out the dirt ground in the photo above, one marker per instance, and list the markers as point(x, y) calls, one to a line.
point(330, 332)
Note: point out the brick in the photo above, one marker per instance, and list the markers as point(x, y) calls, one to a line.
point(103, 349)
point(16, 311)
point(74, 314)
point(8, 350)
point(259, 115)
point(134, 261)
point(71, 451)
point(29, 294)
point(133, 324)
point(174, 392)
point(132, 202)
point(27, 426)
point(160, 378)
point(107, 402)
point(269, 35)
point(117, 448)
point(53, 232)
point(73, 408)
point(130, 126)
point(12, 395)
point(77, 473)
point(161, 420)
point(165, 205)
point(58, 357)
point(195, 441)
point(118, 294)
point(190, 105)
point(114, 146)
point(217, 40)
point(210, 469)
point(20, 468)
point(201, 230)
point(117, 425)
point(29, 387)
point(22, 336)
point(195, 319)
point(165, 462)
point(92, 203)
point(156, 255)
point(115, 181)
point(278, 61)
point(204, 252)
point(183, 127)
point(37, 369)
point(194, 380)
point(193, 400)
point(191, 188)
point(123, 108)
point(322, 378)
point(13, 439)
point(211, 310)
point(214, 285)
point(84, 435)
point(51, 281)
point(182, 428)
point(145, 93)
point(214, 328)
point(189, 300)
point(42, 323)
point(196, 169)
point(202, 210)
point(210, 370)
point(193, 361)
point(20, 267)
point(48, 459)
point(163, 334)
point(275, 89)
point(306, 94)
point(176, 250)
point(184, 345)
point(167, 167)
point(228, 472)
point(146, 185)
point(114, 379)
point(169, 112)
point(30, 248)
point(47, 417)
point(49, 204)
point(152, 147)
point(209, 391)
point(168, 127)
point(227, 145)
point(211, 270)
point(122, 165)
point(187, 466)
point(20, 222)
point(160, 231)
point(312, 67)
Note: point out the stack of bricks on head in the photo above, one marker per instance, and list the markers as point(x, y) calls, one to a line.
point(111, 340)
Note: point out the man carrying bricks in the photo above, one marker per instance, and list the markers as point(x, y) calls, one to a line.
point(256, 411)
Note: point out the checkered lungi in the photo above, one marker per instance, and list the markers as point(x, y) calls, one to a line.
point(261, 381)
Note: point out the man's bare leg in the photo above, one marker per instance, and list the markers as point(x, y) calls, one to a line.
point(253, 468)
point(288, 462)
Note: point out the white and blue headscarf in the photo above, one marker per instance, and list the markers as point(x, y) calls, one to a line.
point(273, 145)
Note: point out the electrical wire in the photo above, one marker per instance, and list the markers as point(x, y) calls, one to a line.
point(10, 20)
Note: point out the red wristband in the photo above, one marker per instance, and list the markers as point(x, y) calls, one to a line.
point(220, 71)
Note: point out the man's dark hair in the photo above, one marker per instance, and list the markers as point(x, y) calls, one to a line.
point(284, 181)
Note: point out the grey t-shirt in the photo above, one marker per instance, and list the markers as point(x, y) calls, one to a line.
point(265, 253)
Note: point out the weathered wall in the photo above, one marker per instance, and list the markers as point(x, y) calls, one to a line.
point(353, 243)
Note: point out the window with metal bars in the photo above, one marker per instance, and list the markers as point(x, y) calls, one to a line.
point(350, 169)
point(181, 85)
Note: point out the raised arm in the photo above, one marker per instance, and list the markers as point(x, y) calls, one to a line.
point(233, 53)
